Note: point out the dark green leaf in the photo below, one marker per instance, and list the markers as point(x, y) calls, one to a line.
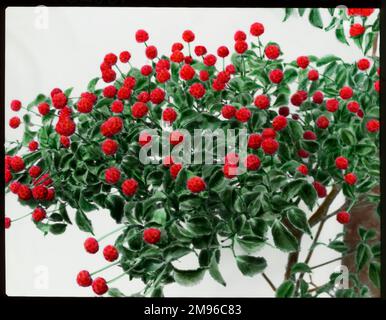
point(249, 266)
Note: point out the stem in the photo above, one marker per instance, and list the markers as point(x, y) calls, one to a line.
point(110, 233)
point(269, 281)
point(104, 268)
point(22, 217)
point(331, 261)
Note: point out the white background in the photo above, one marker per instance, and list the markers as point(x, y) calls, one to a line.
point(63, 47)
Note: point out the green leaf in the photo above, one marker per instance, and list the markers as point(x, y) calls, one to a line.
point(339, 33)
point(199, 226)
point(309, 195)
point(175, 252)
point(284, 239)
point(347, 136)
point(286, 289)
point(58, 228)
point(188, 277)
point(83, 222)
point(375, 273)
point(215, 272)
point(116, 206)
point(249, 266)
point(288, 12)
point(114, 292)
point(159, 216)
point(363, 255)
point(296, 130)
point(91, 85)
point(293, 188)
point(300, 267)
point(315, 18)
point(299, 220)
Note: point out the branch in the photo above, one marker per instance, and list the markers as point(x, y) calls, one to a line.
point(331, 261)
point(269, 281)
point(319, 214)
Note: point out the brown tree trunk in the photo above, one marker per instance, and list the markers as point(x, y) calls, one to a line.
point(362, 214)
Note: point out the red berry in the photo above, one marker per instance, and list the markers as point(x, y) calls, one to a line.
point(262, 101)
point(222, 51)
point(17, 164)
point(252, 162)
point(146, 70)
point(14, 187)
point(196, 184)
point(169, 115)
point(176, 137)
point(24, 193)
point(302, 169)
point(276, 76)
point(109, 147)
point(124, 56)
point(39, 192)
point(279, 123)
point(157, 96)
point(175, 169)
point(268, 133)
point(84, 279)
point(110, 59)
point(7, 223)
point(303, 153)
point(284, 111)
point(231, 69)
point(372, 126)
point(243, 114)
point(240, 35)
point(229, 170)
point(144, 138)
point(50, 194)
point(112, 175)
point(343, 217)
point(318, 97)
point(141, 36)
point(109, 75)
point(197, 90)
point(111, 126)
point(254, 141)
point(320, 189)
point(241, 46)
point(59, 100)
point(91, 245)
point(256, 29)
point(297, 99)
point(376, 86)
point(39, 214)
point(232, 158)
point(353, 106)
point(303, 62)
point(163, 76)
point(187, 72)
point(177, 56)
point(14, 122)
point(44, 108)
point(35, 171)
point(356, 30)
point(313, 75)
point(129, 187)
point(84, 105)
point(210, 60)
point(151, 235)
point(139, 110)
point(204, 75)
point(309, 135)
point(350, 178)
point(65, 141)
point(55, 91)
point(7, 175)
point(15, 105)
point(110, 253)
point(65, 127)
point(346, 93)
point(33, 145)
point(270, 146)
point(168, 161)
point(151, 52)
point(124, 93)
point(143, 97)
point(177, 46)
point(322, 122)
point(200, 51)
point(272, 51)
point(363, 64)
point(188, 36)
point(332, 105)
point(341, 163)
point(117, 106)
point(99, 286)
